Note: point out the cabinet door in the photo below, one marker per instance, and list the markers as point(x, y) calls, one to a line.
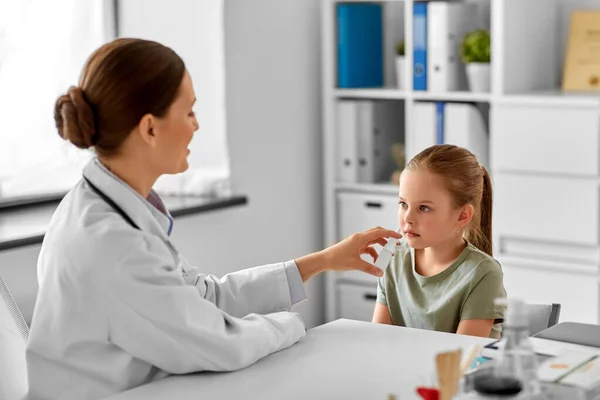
point(356, 301)
point(550, 209)
point(534, 138)
point(576, 292)
point(358, 212)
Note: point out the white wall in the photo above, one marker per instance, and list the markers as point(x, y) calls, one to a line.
point(273, 130)
point(193, 30)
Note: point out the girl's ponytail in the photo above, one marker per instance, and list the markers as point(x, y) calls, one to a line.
point(481, 236)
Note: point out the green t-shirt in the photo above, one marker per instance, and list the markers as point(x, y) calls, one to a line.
point(465, 290)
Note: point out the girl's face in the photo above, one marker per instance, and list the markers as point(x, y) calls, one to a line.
point(426, 212)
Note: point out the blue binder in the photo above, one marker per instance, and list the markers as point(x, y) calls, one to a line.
point(439, 129)
point(420, 46)
point(360, 45)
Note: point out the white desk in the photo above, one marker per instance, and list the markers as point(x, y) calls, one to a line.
point(344, 359)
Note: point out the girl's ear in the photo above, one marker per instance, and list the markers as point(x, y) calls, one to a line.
point(466, 215)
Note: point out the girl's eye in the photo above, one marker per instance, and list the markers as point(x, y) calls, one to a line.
point(402, 204)
point(424, 208)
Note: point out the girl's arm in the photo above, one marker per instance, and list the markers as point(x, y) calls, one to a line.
point(474, 327)
point(382, 314)
point(479, 312)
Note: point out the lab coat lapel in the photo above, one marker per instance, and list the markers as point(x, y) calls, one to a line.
point(131, 202)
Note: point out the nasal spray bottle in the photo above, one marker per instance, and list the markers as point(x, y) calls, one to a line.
point(387, 253)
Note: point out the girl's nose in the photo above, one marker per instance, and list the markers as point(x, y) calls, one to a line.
point(408, 217)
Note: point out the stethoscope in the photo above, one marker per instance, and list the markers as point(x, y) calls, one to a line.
point(111, 203)
point(118, 209)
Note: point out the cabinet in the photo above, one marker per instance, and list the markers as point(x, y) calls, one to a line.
point(356, 301)
point(575, 286)
point(547, 139)
point(361, 211)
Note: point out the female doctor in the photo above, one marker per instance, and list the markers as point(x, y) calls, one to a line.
point(117, 305)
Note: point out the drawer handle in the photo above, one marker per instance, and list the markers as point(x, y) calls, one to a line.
point(370, 296)
point(372, 204)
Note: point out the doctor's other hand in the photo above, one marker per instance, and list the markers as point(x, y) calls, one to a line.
point(345, 255)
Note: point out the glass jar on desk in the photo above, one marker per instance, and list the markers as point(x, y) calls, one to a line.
point(513, 374)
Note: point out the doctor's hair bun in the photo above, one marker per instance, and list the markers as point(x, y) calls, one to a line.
point(74, 118)
point(121, 82)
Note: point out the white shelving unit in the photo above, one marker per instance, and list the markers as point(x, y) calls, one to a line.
point(375, 94)
point(544, 157)
point(374, 188)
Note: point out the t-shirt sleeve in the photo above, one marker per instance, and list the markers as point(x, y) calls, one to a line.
point(381, 296)
point(480, 301)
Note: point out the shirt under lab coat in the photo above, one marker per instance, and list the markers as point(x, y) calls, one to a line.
point(118, 307)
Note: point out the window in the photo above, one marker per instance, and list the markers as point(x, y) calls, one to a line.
point(43, 47)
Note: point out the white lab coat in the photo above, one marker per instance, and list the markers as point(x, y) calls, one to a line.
point(119, 307)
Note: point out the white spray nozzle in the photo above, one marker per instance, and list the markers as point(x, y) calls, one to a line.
point(387, 253)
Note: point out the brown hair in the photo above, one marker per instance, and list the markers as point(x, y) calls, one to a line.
point(121, 82)
point(468, 183)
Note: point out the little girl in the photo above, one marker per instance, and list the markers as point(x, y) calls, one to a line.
point(444, 277)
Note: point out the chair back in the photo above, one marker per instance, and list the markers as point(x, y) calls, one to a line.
point(542, 316)
point(14, 334)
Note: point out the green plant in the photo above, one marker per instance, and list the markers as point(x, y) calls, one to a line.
point(400, 48)
point(476, 47)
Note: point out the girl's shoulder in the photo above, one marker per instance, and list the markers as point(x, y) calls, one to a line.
point(482, 261)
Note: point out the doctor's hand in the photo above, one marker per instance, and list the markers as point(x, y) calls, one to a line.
point(345, 255)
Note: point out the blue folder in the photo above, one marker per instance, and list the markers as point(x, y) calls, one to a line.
point(420, 46)
point(360, 45)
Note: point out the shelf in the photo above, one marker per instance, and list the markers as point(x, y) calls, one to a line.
point(452, 96)
point(370, 188)
point(366, 1)
point(375, 94)
point(396, 94)
point(553, 98)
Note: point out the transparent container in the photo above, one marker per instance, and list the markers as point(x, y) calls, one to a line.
point(517, 360)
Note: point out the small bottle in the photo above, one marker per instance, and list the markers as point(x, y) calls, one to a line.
point(387, 253)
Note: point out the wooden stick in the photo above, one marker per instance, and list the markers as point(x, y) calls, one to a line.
point(474, 351)
point(449, 372)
